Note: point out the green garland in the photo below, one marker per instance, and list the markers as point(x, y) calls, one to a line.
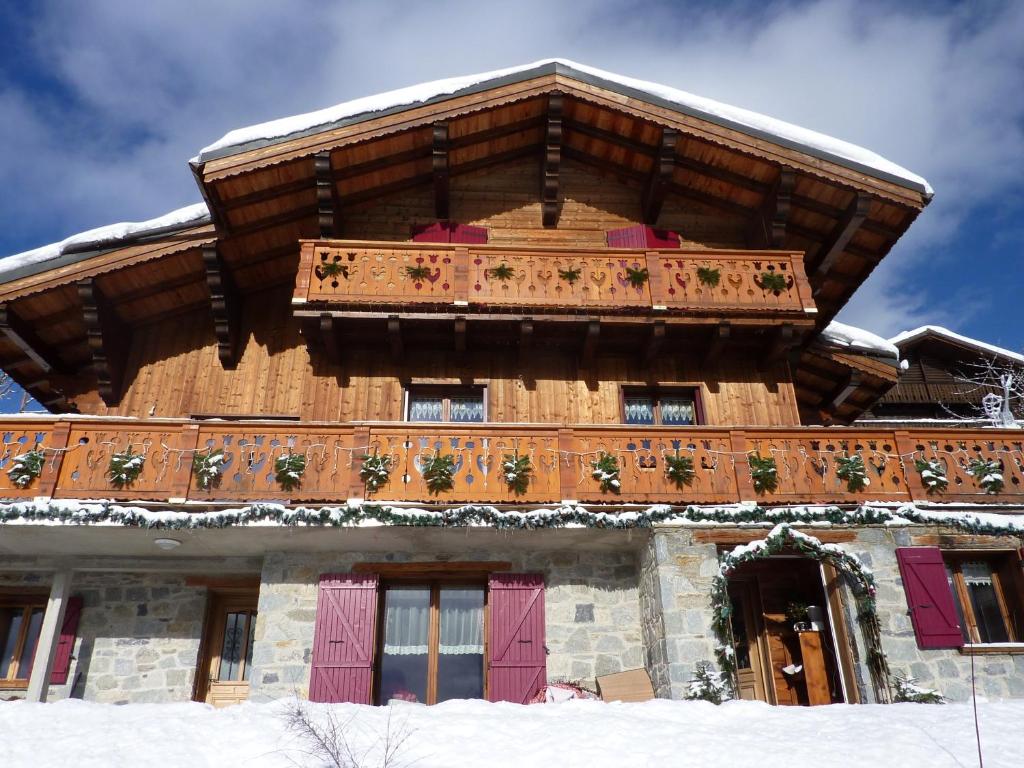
point(288, 470)
point(569, 275)
point(332, 269)
point(933, 475)
point(26, 467)
point(375, 472)
point(206, 467)
point(708, 276)
point(763, 473)
point(418, 272)
point(501, 272)
point(987, 473)
point(679, 470)
point(783, 537)
point(772, 281)
point(605, 469)
point(439, 473)
point(637, 276)
point(517, 471)
point(853, 471)
point(125, 467)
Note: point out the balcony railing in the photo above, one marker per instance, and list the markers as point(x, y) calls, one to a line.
point(77, 456)
point(489, 278)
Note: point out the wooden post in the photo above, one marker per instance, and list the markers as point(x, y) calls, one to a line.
point(905, 447)
point(360, 446)
point(744, 483)
point(58, 440)
point(656, 281)
point(189, 441)
point(49, 636)
point(552, 159)
point(567, 465)
point(460, 262)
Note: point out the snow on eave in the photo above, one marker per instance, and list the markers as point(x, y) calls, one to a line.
point(937, 330)
point(778, 131)
point(50, 256)
point(855, 339)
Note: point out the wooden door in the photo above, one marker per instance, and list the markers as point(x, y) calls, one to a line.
point(749, 642)
point(230, 626)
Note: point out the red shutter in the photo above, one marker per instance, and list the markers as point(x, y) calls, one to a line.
point(642, 236)
point(66, 643)
point(518, 658)
point(463, 233)
point(932, 609)
point(346, 609)
point(438, 232)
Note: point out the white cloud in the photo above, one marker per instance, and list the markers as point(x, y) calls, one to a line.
point(935, 91)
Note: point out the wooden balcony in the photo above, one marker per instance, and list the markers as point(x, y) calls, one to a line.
point(502, 281)
point(78, 451)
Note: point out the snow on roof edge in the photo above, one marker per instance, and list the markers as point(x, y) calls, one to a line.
point(32, 261)
point(851, 337)
point(938, 330)
point(780, 130)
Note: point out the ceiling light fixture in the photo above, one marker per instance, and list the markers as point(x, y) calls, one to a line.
point(167, 544)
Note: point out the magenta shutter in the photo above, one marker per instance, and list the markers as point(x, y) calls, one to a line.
point(438, 232)
point(463, 233)
point(641, 236)
point(517, 661)
point(930, 598)
point(346, 610)
point(66, 643)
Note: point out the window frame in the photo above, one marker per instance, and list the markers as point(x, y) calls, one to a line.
point(446, 392)
point(656, 394)
point(1009, 596)
point(27, 603)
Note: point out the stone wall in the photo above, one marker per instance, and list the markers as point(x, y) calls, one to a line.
point(591, 612)
point(138, 636)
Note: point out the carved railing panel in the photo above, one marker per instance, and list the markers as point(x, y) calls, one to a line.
point(18, 438)
point(85, 466)
point(478, 456)
point(250, 455)
point(641, 456)
point(740, 282)
point(806, 465)
point(386, 275)
point(955, 450)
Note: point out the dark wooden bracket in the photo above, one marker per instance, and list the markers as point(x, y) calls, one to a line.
point(395, 337)
point(552, 161)
point(109, 340)
point(441, 171)
point(525, 339)
point(768, 228)
point(720, 337)
point(782, 341)
point(841, 393)
point(460, 335)
point(660, 180)
point(655, 341)
point(329, 340)
point(226, 305)
point(590, 342)
point(844, 231)
point(327, 207)
point(21, 334)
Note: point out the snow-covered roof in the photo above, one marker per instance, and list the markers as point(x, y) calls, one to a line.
point(47, 256)
point(858, 340)
point(938, 330)
point(777, 131)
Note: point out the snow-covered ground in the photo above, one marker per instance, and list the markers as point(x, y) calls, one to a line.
point(475, 733)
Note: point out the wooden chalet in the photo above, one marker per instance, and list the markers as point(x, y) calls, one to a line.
point(592, 313)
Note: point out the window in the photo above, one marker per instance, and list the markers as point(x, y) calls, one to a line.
point(670, 409)
point(987, 595)
point(432, 644)
point(20, 623)
point(455, 404)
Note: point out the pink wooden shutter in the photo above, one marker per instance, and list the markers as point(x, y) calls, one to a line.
point(463, 233)
point(518, 659)
point(346, 610)
point(438, 232)
point(641, 236)
point(932, 609)
point(66, 643)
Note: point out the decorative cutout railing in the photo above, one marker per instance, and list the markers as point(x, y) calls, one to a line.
point(77, 456)
point(496, 278)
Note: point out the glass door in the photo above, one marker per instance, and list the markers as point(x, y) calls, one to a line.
point(229, 640)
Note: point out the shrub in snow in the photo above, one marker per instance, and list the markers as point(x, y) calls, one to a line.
point(288, 469)
point(125, 467)
point(707, 685)
point(375, 471)
point(516, 470)
point(337, 739)
point(987, 473)
point(26, 468)
point(206, 467)
point(606, 472)
point(933, 474)
point(907, 689)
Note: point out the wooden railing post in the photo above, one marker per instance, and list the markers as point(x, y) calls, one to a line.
point(360, 448)
point(304, 275)
point(906, 445)
point(461, 279)
point(567, 465)
point(744, 483)
point(801, 283)
point(656, 281)
point(188, 442)
point(59, 442)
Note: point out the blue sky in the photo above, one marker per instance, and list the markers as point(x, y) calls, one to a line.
point(103, 102)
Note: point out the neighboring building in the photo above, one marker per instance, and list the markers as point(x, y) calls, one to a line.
point(944, 378)
point(458, 389)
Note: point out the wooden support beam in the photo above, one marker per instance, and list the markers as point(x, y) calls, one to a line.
point(845, 229)
point(326, 197)
point(109, 340)
point(655, 341)
point(525, 338)
point(49, 637)
point(590, 341)
point(24, 337)
point(768, 228)
point(720, 337)
point(551, 161)
point(460, 335)
point(395, 337)
point(329, 338)
point(226, 306)
point(661, 176)
point(783, 340)
point(841, 393)
point(441, 171)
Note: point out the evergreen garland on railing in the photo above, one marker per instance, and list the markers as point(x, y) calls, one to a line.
point(763, 473)
point(125, 467)
point(605, 469)
point(439, 473)
point(288, 470)
point(679, 470)
point(933, 475)
point(853, 471)
point(517, 471)
point(418, 272)
point(987, 473)
point(376, 471)
point(773, 281)
point(569, 275)
point(206, 467)
point(637, 276)
point(708, 276)
point(501, 272)
point(26, 467)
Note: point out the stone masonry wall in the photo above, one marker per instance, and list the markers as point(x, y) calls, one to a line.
point(138, 636)
point(591, 612)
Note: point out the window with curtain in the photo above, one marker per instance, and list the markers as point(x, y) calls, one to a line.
point(662, 408)
point(451, 404)
point(987, 595)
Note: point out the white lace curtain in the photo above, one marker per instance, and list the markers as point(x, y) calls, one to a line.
point(407, 622)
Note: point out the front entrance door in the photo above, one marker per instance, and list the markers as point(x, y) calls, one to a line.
point(229, 634)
